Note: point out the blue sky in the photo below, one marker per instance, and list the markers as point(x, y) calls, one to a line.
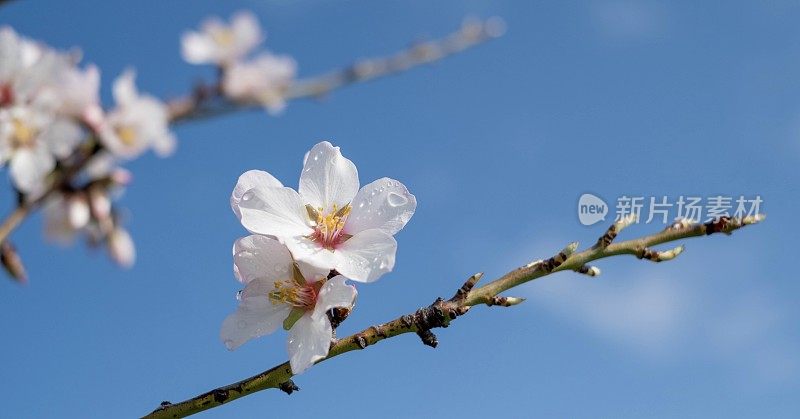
point(612, 97)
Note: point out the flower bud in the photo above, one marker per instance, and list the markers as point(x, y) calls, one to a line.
point(12, 262)
point(77, 211)
point(121, 247)
point(100, 203)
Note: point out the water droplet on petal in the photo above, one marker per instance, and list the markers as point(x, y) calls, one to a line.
point(396, 199)
point(247, 196)
point(239, 295)
point(228, 344)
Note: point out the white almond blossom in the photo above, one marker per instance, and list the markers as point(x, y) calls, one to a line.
point(43, 98)
point(264, 80)
point(278, 292)
point(139, 122)
point(328, 222)
point(30, 142)
point(222, 44)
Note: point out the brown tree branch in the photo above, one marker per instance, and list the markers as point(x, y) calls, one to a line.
point(442, 312)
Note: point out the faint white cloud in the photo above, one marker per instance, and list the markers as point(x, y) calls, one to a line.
point(646, 313)
point(678, 319)
point(629, 20)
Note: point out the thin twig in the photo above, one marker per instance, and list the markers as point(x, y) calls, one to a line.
point(209, 101)
point(442, 312)
point(13, 220)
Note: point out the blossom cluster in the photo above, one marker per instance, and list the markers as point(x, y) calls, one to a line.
point(51, 120)
point(305, 244)
point(263, 78)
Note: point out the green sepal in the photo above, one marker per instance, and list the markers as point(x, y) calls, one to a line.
point(293, 317)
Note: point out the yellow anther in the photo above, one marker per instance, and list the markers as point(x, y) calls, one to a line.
point(23, 134)
point(223, 37)
point(329, 226)
point(127, 135)
point(287, 292)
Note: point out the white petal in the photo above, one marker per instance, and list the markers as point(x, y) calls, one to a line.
point(366, 256)
point(249, 180)
point(328, 178)
point(309, 341)
point(311, 252)
point(247, 32)
point(164, 143)
point(261, 257)
point(313, 273)
point(384, 204)
point(197, 48)
point(124, 88)
point(10, 53)
point(91, 82)
point(62, 136)
point(274, 211)
point(256, 316)
point(29, 168)
point(335, 293)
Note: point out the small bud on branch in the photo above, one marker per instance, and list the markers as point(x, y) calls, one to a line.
point(12, 262)
point(589, 270)
point(662, 256)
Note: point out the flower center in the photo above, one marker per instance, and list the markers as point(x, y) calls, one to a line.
point(300, 296)
point(328, 226)
point(127, 135)
point(223, 37)
point(23, 135)
point(6, 94)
